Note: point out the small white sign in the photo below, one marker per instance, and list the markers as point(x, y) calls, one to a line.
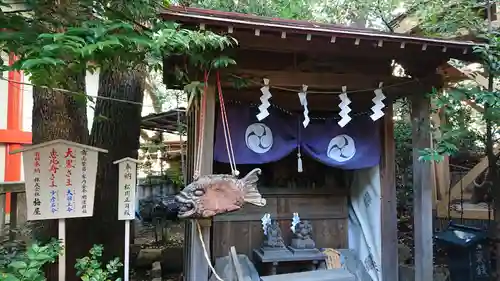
point(60, 179)
point(127, 173)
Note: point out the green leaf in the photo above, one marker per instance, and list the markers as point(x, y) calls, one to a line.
point(32, 63)
point(8, 277)
point(18, 265)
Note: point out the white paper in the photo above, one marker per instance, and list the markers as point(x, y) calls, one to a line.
point(377, 115)
point(127, 173)
point(266, 95)
point(342, 122)
point(378, 105)
point(262, 115)
point(266, 220)
point(344, 110)
point(303, 102)
point(60, 181)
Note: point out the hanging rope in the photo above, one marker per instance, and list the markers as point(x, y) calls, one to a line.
point(225, 126)
point(201, 130)
point(229, 148)
point(205, 253)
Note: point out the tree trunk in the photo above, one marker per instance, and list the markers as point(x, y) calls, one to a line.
point(57, 115)
point(116, 128)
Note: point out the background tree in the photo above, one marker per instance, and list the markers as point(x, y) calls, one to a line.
point(456, 18)
point(57, 42)
point(360, 13)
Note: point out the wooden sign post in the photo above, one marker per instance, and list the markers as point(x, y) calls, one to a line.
point(60, 183)
point(127, 176)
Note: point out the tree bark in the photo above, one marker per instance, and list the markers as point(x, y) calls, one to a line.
point(58, 115)
point(116, 128)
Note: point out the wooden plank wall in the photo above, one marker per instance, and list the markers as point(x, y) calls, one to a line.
point(327, 210)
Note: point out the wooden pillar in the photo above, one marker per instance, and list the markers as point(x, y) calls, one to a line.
point(388, 211)
point(198, 264)
point(422, 190)
point(13, 136)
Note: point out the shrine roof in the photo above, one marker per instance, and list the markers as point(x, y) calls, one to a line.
point(191, 15)
point(168, 121)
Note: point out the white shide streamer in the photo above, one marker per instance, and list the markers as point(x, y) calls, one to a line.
point(266, 95)
point(295, 221)
point(377, 103)
point(344, 108)
point(266, 220)
point(303, 102)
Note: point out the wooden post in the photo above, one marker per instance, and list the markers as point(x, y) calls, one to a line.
point(3, 213)
point(198, 265)
point(13, 215)
point(388, 211)
point(422, 190)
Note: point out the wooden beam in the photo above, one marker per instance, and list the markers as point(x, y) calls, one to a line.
point(341, 47)
point(472, 213)
point(456, 190)
point(198, 265)
point(388, 212)
point(319, 80)
point(14, 187)
point(422, 190)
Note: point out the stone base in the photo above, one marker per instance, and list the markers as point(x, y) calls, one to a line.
point(274, 253)
point(304, 252)
point(303, 244)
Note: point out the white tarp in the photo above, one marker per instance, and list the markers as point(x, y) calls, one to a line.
point(364, 220)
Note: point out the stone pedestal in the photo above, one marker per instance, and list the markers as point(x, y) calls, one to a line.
point(274, 252)
point(298, 243)
point(305, 252)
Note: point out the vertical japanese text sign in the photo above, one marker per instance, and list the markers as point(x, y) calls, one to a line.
point(60, 179)
point(127, 173)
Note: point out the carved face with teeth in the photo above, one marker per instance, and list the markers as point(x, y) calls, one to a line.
point(217, 194)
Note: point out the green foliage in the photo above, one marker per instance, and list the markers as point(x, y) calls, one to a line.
point(93, 35)
point(90, 268)
point(450, 18)
point(365, 12)
point(28, 265)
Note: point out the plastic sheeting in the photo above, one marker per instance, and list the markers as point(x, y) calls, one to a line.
point(364, 221)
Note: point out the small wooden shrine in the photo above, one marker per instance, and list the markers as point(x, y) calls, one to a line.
point(310, 68)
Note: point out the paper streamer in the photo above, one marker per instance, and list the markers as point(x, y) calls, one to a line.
point(303, 102)
point(378, 104)
point(295, 221)
point(344, 108)
point(266, 95)
point(266, 220)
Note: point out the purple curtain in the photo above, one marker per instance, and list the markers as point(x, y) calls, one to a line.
point(355, 146)
point(255, 142)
